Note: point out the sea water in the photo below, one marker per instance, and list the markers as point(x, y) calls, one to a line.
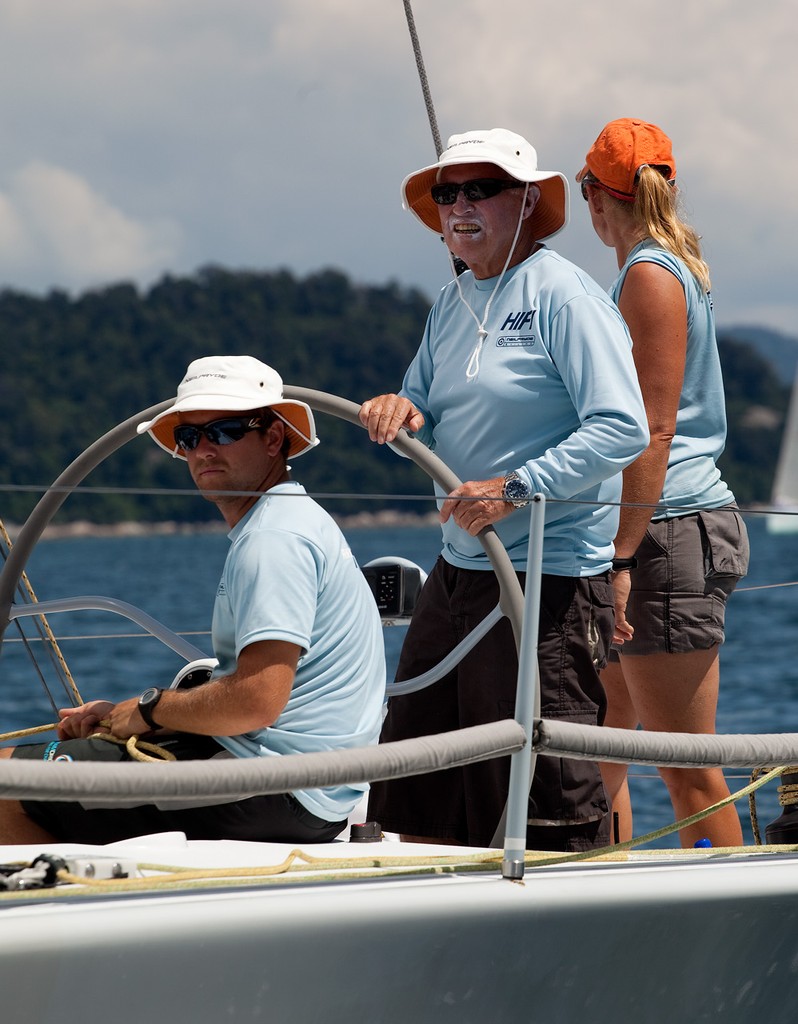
point(174, 577)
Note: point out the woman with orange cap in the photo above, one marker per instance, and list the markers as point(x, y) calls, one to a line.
point(683, 544)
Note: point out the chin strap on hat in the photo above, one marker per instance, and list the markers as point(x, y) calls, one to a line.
point(472, 370)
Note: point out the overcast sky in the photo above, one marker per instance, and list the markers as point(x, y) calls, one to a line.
point(140, 137)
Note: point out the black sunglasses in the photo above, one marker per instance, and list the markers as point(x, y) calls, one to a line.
point(226, 431)
point(474, 191)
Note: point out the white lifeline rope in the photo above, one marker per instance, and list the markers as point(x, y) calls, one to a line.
point(472, 370)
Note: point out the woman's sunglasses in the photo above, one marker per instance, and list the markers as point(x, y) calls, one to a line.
point(590, 180)
point(474, 191)
point(227, 431)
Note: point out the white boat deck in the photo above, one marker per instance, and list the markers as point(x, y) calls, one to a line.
point(634, 938)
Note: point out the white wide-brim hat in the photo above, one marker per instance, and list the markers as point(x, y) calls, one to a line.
point(233, 384)
point(505, 149)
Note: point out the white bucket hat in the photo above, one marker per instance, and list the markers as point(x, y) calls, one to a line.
point(233, 384)
point(507, 150)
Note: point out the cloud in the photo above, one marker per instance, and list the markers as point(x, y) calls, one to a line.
point(277, 134)
point(53, 224)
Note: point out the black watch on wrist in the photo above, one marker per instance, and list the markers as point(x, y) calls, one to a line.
point(515, 490)
point(147, 703)
point(618, 564)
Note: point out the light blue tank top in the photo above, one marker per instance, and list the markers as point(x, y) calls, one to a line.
point(692, 480)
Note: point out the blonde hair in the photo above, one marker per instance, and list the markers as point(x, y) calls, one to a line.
point(655, 211)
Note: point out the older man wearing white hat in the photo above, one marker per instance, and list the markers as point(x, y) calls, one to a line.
point(296, 632)
point(524, 383)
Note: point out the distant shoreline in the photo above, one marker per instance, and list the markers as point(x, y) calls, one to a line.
point(387, 519)
point(384, 520)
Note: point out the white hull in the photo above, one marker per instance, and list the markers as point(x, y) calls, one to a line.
point(669, 938)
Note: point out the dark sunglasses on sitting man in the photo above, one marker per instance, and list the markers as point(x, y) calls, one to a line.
point(226, 431)
point(480, 188)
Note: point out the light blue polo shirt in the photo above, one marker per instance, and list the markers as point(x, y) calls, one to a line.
point(290, 575)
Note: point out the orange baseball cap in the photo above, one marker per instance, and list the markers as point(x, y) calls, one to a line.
point(622, 148)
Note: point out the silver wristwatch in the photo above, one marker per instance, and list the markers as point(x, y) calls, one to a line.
point(515, 490)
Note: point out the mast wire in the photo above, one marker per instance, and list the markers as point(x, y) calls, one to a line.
point(459, 265)
point(422, 74)
point(45, 631)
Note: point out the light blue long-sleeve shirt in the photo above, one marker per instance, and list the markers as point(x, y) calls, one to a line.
point(555, 397)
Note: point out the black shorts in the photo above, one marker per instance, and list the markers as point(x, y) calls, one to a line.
point(278, 818)
point(567, 807)
point(687, 568)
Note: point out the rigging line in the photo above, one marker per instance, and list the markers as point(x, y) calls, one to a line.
point(37, 668)
point(44, 624)
point(422, 74)
point(458, 265)
point(42, 637)
point(26, 642)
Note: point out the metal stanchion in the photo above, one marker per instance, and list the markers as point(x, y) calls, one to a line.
point(527, 701)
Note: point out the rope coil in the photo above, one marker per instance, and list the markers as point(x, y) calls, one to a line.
point(788, 791)
point(135, 746)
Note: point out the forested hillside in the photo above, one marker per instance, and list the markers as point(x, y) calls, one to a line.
point(74, 367)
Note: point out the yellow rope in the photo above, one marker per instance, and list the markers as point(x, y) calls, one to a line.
point(788, 794)
point(328, 870)
point(650, 837)
point(325, 869)
point(27, 732)
point(45, 624)
point(135, 747)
